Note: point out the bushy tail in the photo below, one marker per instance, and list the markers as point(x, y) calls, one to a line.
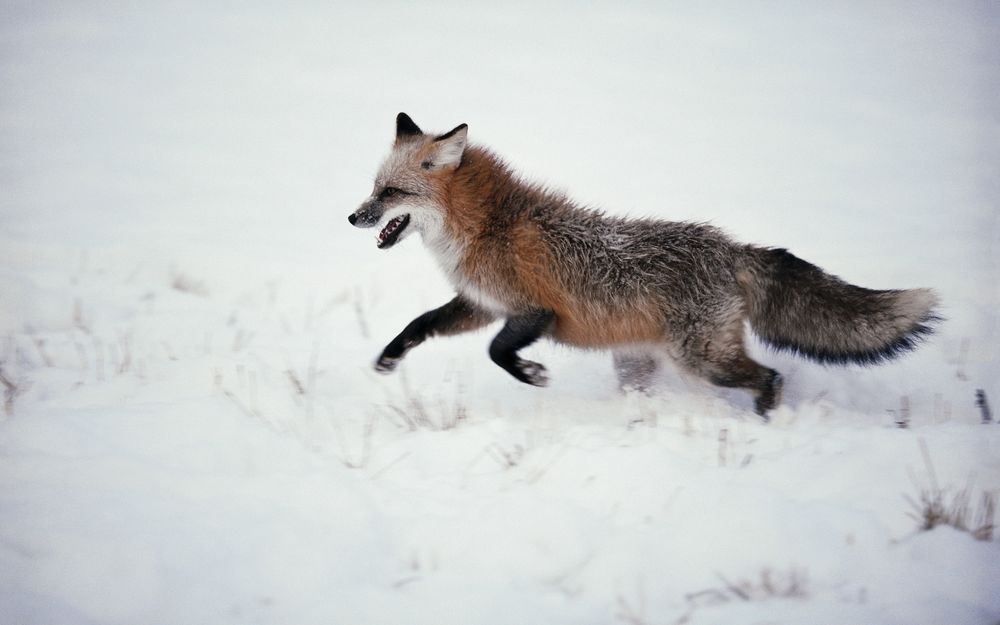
point(794, 305)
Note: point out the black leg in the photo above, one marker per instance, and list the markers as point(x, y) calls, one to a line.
point(519, 332)
point(456, 316)
point(745, 373)
point(769, 394)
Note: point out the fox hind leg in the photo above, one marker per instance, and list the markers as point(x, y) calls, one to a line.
point(744, 372)
point(719, 356)
point(634, 370)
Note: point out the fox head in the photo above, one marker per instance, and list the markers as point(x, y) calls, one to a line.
point(408, 188)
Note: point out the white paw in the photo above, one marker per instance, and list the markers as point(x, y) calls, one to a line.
point(534, 373)
point(386, 364)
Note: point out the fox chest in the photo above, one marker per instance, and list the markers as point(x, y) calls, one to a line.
point(478, 282)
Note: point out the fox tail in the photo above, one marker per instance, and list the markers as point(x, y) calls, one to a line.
point(794, 305)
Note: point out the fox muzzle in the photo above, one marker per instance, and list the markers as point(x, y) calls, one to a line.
point(367, 215)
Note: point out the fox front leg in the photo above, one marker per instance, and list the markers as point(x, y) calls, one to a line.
point(519, 332)
point(458, 315)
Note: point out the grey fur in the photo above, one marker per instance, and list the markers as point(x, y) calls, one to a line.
point(795, 305)
point(635, 370)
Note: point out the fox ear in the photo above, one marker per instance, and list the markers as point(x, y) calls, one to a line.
point(405, 127)
point(448, 148)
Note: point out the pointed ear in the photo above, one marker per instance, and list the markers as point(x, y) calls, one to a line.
point(448, 149)
point(405, 127)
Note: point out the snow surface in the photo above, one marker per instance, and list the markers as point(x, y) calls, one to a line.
point(188, 323)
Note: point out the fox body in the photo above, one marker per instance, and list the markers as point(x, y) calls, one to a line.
point(550, 268)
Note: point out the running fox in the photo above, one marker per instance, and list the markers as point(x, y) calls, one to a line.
point(548, 267)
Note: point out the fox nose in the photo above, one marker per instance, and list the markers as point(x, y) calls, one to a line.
point(352, 218)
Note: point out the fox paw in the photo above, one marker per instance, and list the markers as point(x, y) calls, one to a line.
point(386, 364)
point(770, 396)
point(532, 373)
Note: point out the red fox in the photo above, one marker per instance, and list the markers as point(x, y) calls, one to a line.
point(550, 268)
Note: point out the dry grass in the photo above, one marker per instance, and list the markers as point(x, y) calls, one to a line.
point(934, 505)
point(11, 390)
point(767, 585)
point(986, 416)
point(415, 413)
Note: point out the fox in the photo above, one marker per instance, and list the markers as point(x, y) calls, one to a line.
point(640, 288)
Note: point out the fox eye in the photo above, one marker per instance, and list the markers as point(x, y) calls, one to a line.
point(388, 192)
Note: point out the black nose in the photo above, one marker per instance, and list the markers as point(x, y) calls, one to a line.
point(352, 218)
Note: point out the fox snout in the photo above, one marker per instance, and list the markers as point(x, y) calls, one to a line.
point(367, 215)
point(371, 213)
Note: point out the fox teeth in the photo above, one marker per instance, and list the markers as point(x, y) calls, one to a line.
point(391, 229)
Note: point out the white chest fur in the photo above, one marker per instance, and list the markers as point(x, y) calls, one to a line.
point(449, 255)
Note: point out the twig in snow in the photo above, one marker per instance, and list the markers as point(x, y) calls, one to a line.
point(239, 404)
point(126, 360)
point(963, 357)
point(632, 615)
point(984, 406)
point(903, 416)
point(78, 321)
point(723, 438)
point(295, 382)
point(366, 447)
point(733, 588)
point(98, 359)
point(377, 474)
point(311, 378)
point(39, 343)
point(359, 313)
point(10, 392)
point(242, 339)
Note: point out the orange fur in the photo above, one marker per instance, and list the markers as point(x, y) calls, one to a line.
point(506, 255)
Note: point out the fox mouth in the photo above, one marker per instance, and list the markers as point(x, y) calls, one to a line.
point(390, 234)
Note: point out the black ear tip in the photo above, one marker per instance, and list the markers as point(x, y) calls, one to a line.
point(451, 133)
point(406, 126)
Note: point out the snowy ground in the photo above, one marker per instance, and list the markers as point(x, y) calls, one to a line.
point(192, 432)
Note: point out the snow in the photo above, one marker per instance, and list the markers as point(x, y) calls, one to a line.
point(188, 323)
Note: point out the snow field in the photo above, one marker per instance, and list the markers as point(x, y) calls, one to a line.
point(234, 460)
point(192, 432)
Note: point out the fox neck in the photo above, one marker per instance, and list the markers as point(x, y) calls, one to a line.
point(482, 192)
point(481, 195)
